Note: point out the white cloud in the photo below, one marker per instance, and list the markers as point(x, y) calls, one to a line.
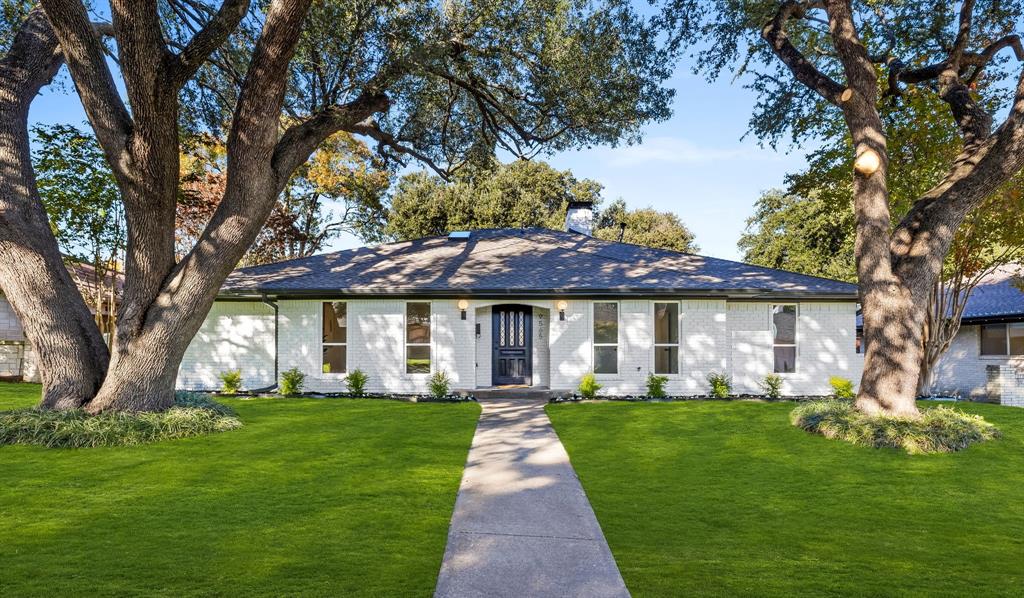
point(675, 150)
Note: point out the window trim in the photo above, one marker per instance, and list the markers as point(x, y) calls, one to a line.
point(796, 336)
point(679, 339)
point(594, 344)
point(1006, 337)
point(322, 373)
point(405, 338)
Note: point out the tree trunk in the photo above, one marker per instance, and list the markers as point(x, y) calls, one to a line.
point(893, 351)
point(67, 343)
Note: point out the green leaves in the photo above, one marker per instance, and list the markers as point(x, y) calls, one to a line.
point(79, 193)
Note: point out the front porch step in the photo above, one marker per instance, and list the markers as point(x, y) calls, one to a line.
point(533, 393)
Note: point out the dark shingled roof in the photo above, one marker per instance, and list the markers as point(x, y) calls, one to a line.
point(999, 297)
point(528, 261)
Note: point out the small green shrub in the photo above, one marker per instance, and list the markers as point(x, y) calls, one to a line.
point(721, 385)
point(356, 382)
point(656, 386)
point(589, 386)
point(291, 382)
point(439, 384)
point(192, 415)
point(938, 430)
point(841, 388)
point(230, 381)
point(771, 386)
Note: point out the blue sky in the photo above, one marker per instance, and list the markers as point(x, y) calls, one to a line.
point(694, 164)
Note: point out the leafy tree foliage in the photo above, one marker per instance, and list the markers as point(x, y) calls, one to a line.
point(84, 208)
point(340, 189)
point(522, 193)
point(644, 226)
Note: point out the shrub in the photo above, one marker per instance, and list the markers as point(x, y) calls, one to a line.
point(589, 386)
point(291, 382)
point(841, 388)
point(356, 382)
point(938, 430)
point(230, 381)
point(656, 386)
point(771, 386)
point(192, 415)
point(721, 385)
point(439, 384)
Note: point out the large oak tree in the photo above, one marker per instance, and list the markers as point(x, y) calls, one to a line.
point(810, 58)
point(433, 81)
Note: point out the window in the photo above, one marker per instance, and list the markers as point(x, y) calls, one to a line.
point(1002, 339)
point(666, 338)
point(417, 338)
point(335, 337)
point(784, 338)
point(606, 338)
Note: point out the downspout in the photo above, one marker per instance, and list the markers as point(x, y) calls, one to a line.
point(273, 305)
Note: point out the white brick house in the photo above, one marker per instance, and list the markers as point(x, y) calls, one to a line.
point(986, 358)
point(525, 307)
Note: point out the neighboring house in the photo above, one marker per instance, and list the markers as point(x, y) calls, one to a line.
point(531, 307)
point(990, 342)
point(17, 360)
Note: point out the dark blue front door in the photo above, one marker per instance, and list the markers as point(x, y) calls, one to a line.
point(512, 360)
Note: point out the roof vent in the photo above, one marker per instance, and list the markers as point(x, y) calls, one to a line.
point(458, 235)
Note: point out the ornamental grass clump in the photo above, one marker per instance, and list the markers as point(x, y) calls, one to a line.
point(938, 430)
point(191, 415)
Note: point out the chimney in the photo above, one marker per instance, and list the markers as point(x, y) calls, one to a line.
point(579, 217)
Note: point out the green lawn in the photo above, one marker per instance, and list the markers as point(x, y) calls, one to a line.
point(713, 498)
point(311, 497)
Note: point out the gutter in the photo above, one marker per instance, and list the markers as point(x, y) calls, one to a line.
point(730, 294)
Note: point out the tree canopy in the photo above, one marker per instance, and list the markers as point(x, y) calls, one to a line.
point(521, 193)
point(445, 84)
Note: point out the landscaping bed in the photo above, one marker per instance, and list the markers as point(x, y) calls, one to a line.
point(728, 498)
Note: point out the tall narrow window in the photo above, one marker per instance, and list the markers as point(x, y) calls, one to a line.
point(417, 338)
point(335, 337)
point(784, 338)
point(666, 338)
point(606, 338)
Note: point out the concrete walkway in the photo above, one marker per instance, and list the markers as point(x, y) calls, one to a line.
point(522, 524)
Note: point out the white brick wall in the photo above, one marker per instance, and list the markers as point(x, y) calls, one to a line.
point(961, 371)
point(715, 335)
point(235, 335)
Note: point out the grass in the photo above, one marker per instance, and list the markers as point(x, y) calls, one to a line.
point(729, 499)
point(312, 497)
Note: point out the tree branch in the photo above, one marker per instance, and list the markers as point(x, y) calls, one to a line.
point(804, 71)
point(207, 40)
point(84, 54)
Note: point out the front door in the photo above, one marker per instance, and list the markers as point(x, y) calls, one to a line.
point(512, 359)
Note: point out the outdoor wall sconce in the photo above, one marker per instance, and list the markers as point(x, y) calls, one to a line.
point(463, 305)
point(562, 306)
